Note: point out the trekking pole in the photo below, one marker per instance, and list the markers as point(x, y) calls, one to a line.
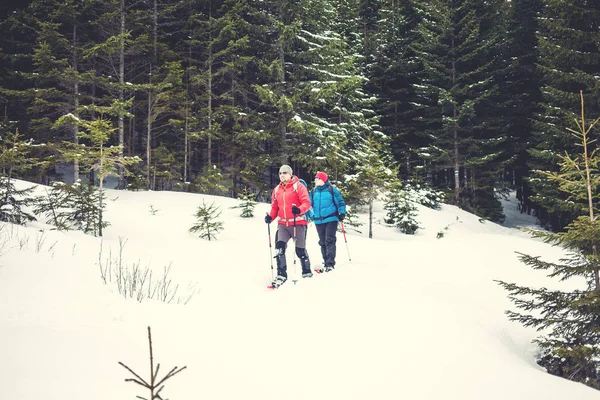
point(295, 269)
point(346, 240)
point(270, 249)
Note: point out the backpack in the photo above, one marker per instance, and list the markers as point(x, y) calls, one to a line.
point(295, 185)
point(310, 215)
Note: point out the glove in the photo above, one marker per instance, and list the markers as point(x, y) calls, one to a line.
point(268, 219)
point(295, 210)
point(341, 217)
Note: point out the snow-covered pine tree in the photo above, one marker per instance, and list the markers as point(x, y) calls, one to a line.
point(570, 345)
point(396, 76)
point(401, 212)
point(207, 224)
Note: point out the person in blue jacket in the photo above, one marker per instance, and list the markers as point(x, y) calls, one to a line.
point(329, 208)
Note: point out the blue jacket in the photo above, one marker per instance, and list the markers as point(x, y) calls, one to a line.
point(323, 203)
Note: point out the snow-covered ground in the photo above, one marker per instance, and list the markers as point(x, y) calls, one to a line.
point(409, 317)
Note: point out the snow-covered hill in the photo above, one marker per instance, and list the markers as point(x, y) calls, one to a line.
point(409, 317)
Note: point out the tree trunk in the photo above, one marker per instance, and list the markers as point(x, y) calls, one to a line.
point(283, 122)
point(370, 219)
point(149, 140)
point(100, 191)
point(75, 104)
point(121, 118)
point(455, 136)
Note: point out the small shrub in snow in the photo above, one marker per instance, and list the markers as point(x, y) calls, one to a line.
point(247, 205)
point(207, 226)
point(445, 229)
point(155, 384)
point(138, 283)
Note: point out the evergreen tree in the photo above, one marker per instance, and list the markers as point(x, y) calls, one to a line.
point(572, 346)
point(396, 77)
point(56, 78)
point(247, 204)
point(317, 90)
point(569, 52)
point(14, 160)
point(75, 206)
point(369, 179)
point(207, 226)
point(96, 155)
point(401, 212)
point(522, 87)
point(459, 53)
point(52, 206)
point(233, 67)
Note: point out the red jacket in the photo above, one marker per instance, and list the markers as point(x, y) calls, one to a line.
point(284, 196)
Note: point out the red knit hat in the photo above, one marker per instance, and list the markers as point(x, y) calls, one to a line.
point(322, 176)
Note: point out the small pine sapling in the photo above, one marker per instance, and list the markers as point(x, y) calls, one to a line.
point(155, 385)
point(52, 206)
point(83, 202)
point(207, 226)
point(247, 204)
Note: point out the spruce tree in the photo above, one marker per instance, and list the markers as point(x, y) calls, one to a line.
point(396, 77)
point(247, 204)
point(401, 212)
point(569, 52)
point(571, 348)
point(233, 69)
point(207, 224)
point(459, 51)
point(521, 85)
point(14, 160)
point(370, 177)
point(95, 154)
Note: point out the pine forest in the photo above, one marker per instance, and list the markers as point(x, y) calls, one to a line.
point(471, 98)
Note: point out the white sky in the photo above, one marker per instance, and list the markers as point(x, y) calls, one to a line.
point(410, 317)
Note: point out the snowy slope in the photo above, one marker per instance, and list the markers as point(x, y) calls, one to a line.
point(409, 317)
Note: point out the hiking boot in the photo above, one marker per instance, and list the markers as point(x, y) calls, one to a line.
point(279, 280)
point(329, 268)
point(307, 275)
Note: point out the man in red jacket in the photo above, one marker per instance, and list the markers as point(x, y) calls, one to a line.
point(289, 202)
